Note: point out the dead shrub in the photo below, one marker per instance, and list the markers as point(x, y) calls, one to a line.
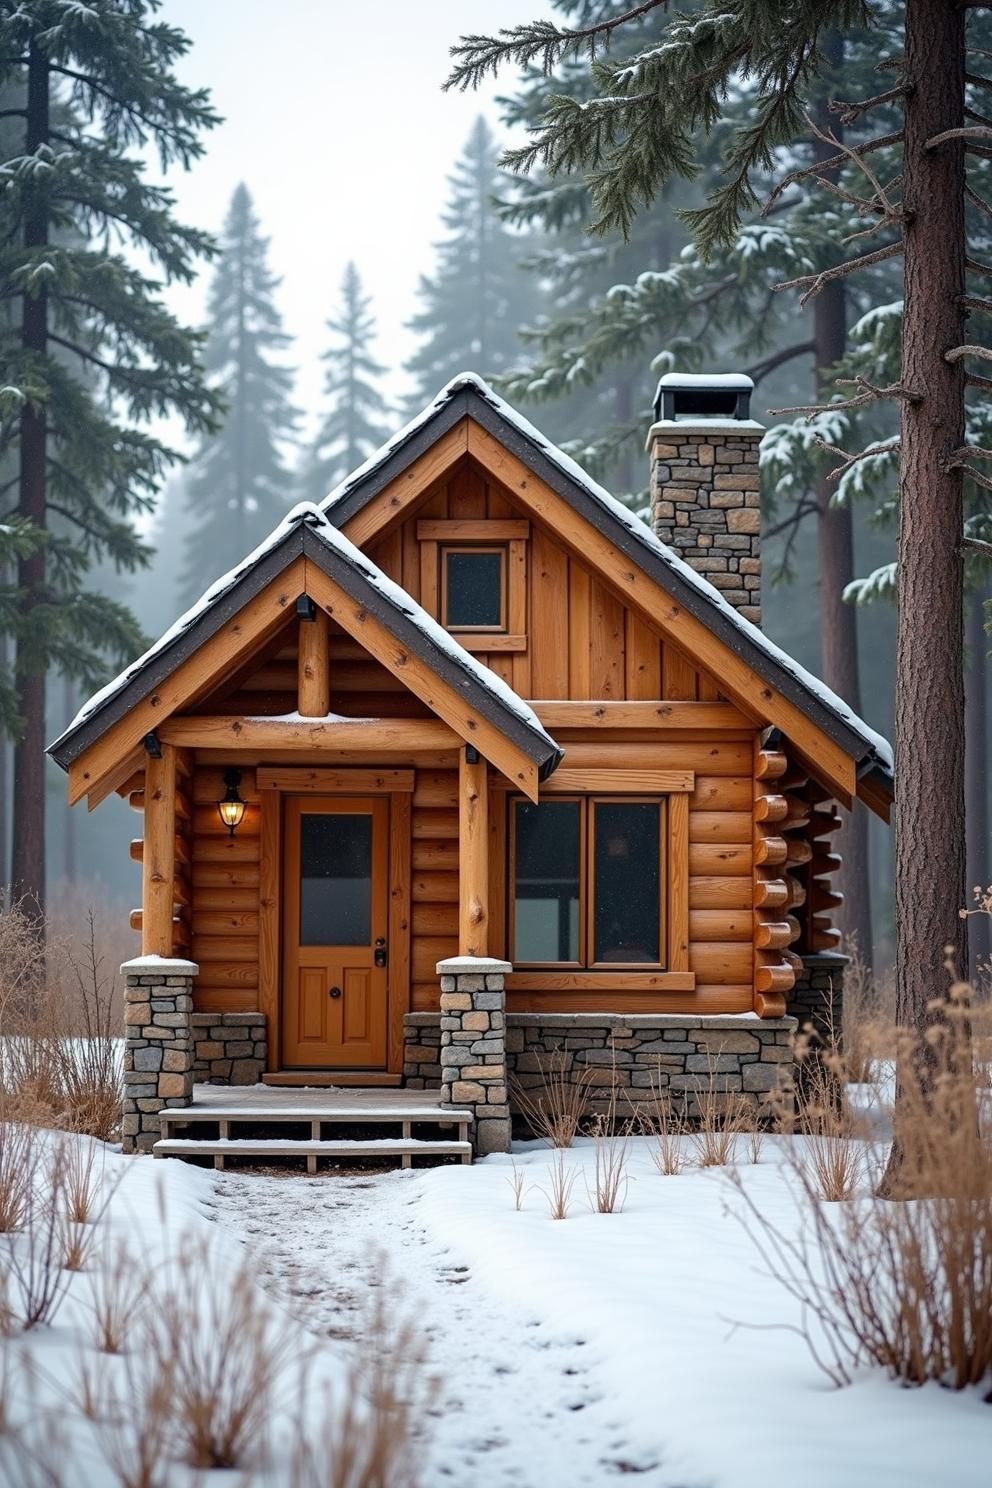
point(556, 1109)
point(60, 1061)
point(118, 1294)
point(667, 1129)
point(561, 1181)
point(225, 1352)
point(81, 1179)
point(18, 1160)
point(831, 1149)
point(723, 1115)
point(611, 1138)
point(902, 1278)
point(35, 1280)
point(518, 1182)
point(374, 1433)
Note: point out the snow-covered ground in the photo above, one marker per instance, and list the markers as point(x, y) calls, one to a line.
point(570, 1352)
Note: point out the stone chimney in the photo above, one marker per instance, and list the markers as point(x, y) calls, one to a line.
point(705, 497)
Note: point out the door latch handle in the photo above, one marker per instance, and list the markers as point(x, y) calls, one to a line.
point(380, 951)
point(334, 991)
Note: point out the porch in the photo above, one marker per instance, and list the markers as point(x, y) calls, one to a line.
point(260, 1124)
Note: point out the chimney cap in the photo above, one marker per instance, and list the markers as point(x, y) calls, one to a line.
point(687, 395)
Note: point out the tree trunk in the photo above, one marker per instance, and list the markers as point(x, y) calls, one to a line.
point(929, 805)
point(976, 779)
point(835, 542)
point(4, 779)
point(28, 865)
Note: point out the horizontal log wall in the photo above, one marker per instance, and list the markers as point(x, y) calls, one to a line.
point(225, 889)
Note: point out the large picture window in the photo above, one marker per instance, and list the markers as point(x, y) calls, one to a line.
point(587, 882)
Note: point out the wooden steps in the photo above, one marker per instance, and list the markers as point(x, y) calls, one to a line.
point(405, 1149)
point(314, 1125)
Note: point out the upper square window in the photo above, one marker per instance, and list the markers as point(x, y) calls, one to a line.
point(473, 579)
point(473, 588)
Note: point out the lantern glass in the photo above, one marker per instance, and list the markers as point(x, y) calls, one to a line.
point(232, 808)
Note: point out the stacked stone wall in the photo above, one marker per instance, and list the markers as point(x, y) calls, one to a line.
point(705, 504)
point(229, 1048)
point(158, 1045)
point(637, 1054)
point(473, 1046)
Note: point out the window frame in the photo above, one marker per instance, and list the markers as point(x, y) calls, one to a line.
point(436, 536)
point(501, 550)
point(587, 885)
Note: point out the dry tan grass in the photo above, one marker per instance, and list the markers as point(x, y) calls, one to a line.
point(723, 1116)
point(376, 1426)
point(556, 1109)
point(561, 1181)
point(903, 1281)
point(60, 1010)
point(18, 1160)
point(666, 1127)
point(611, 1138)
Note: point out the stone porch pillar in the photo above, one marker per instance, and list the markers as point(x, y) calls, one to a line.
point(473, 1046)
point(158, 1044)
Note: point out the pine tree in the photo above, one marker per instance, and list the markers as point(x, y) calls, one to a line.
point(90, 351)
point(640, 134)
point(478, 296)
point(239, 485)
point(355, 424)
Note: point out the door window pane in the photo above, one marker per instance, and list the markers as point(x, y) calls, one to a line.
point(546, 881)
point(335, 879)
point(627, 881)
point(473, 589)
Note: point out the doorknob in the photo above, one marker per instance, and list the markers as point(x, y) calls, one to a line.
point(380, 951)
point(334, 991)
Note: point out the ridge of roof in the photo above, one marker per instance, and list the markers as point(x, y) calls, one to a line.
point(876, 745)
point(308, 518)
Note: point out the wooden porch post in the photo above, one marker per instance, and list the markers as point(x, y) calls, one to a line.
point(314, 678)
point(158, 862)
point(473, 855)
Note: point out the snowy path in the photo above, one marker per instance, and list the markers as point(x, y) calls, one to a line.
point(520, 1402)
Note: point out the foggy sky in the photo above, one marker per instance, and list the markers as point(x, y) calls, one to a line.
point(335, 120)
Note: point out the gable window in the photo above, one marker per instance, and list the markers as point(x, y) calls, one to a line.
point(588, 882)
point(473, 579)
point(473, 588)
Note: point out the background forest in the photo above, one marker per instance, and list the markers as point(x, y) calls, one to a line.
point(572, 328)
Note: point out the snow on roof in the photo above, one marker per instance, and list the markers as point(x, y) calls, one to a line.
point(306, 512)
point(638, 529)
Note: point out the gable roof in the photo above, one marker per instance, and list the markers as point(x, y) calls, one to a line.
point(306, 532)
point(469, 396)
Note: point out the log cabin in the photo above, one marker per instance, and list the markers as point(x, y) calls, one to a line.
point(469, 764)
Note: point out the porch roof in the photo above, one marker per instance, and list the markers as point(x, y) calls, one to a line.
point(307, 533)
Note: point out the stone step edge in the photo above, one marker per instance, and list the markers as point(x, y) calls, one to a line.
point(355, 1114)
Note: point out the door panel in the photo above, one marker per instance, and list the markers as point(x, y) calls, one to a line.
point(336, 909)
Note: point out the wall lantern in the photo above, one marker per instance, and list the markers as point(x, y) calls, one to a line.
point(232, 808)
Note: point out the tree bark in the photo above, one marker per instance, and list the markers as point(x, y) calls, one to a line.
point(28, 857)
point(976, 778)
point(929, 805)
point(835, 542)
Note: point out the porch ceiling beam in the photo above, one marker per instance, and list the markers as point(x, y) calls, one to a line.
point(642, 715)
point(158, 861)
point(313, 686)
point(372, 735)
point(473, 855)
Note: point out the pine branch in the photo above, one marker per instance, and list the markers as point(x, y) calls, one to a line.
point(868, 394)
point(834, 163)
point(978, 116)
point(976, 77)
point(848, 461)
point(977, 201)
point(969, 132)
point(975, 267)
point(800, 510)
point(816, 282)
point(975, 302)
point(972, 379)
point(478, 56)
point(762, 369)
point(969, 451)
point(958, 353)
point(827, 137)
point(976, 543)
point(849, 113)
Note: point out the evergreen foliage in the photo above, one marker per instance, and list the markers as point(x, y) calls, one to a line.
point(355, 424)
point(239, 485)
point(471, 307)
point(89, 349)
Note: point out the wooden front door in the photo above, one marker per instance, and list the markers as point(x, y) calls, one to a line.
point(335, 927)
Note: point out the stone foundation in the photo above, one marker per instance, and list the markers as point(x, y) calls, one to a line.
point(670, 1052)
point(158, 1045)
point(229, 1048)
point(817, 999)
point(473, 1046)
